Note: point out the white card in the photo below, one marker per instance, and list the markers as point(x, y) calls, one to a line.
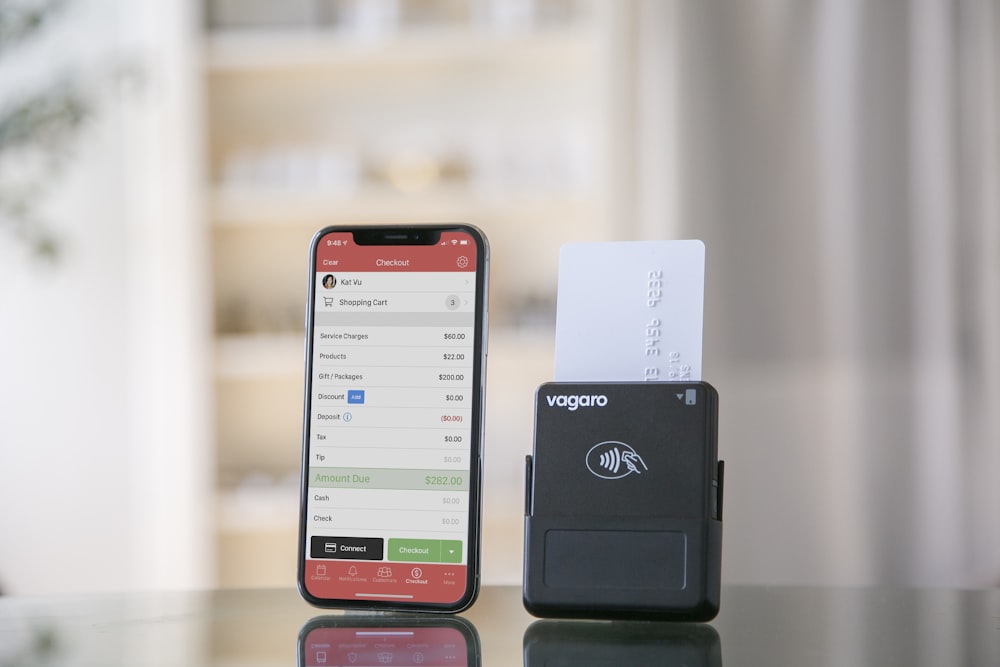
point(630, 311)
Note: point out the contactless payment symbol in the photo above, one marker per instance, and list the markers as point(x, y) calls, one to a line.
point(613, 460)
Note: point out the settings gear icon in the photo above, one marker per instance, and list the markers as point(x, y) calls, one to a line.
point(462, 261)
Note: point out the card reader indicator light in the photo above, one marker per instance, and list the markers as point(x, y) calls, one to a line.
point(691, 397)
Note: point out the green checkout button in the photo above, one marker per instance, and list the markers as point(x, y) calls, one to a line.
point(424, 551)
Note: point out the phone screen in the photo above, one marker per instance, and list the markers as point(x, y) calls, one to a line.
point(391, 456)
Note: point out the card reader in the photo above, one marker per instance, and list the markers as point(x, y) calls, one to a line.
point(623, 502)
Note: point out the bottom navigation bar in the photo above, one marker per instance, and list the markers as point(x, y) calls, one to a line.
point(361, 580)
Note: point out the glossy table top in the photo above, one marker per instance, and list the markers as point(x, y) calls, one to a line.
point(757, 626)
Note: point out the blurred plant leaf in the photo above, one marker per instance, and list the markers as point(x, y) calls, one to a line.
point(36, 136)
point(19, 19)
point(46, 120)
point(36, 133)
point(18, 218)
point(41, 647)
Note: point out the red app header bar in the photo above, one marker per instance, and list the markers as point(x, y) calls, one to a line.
point(454, 251)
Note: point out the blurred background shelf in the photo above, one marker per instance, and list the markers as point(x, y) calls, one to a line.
point(258, 50)
point(318, 112)
point(264, 504)
point(259, 355)
point(233, 207)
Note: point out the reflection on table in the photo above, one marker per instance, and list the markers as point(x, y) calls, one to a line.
point(756, 626)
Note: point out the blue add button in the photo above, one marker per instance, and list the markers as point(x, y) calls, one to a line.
point(355, 396)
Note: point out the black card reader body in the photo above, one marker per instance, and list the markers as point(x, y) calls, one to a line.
point(623, 502)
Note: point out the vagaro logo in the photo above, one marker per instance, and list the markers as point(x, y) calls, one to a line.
point(613, 460)
point(571, 402)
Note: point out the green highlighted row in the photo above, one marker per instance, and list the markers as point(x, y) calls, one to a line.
point(425, 551)
point(400, 479)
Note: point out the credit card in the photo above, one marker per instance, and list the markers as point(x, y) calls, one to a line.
point(630, 311)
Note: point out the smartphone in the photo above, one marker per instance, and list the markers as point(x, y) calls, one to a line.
point(389, 640)
point(391, 498)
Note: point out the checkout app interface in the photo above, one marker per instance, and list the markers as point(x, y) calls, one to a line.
point(391, 430)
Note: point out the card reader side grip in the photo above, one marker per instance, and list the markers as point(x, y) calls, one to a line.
point(528, 483)
point(720, 477)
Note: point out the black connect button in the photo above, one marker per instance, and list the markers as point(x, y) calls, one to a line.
point(353, 548)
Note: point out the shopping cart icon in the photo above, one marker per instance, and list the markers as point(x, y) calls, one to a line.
point(327, 301)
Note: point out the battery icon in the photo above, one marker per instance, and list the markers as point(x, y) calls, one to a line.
point(463, 242)
point(691, 397)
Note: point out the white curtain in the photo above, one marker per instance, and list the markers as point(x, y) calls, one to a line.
point(840, 160)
